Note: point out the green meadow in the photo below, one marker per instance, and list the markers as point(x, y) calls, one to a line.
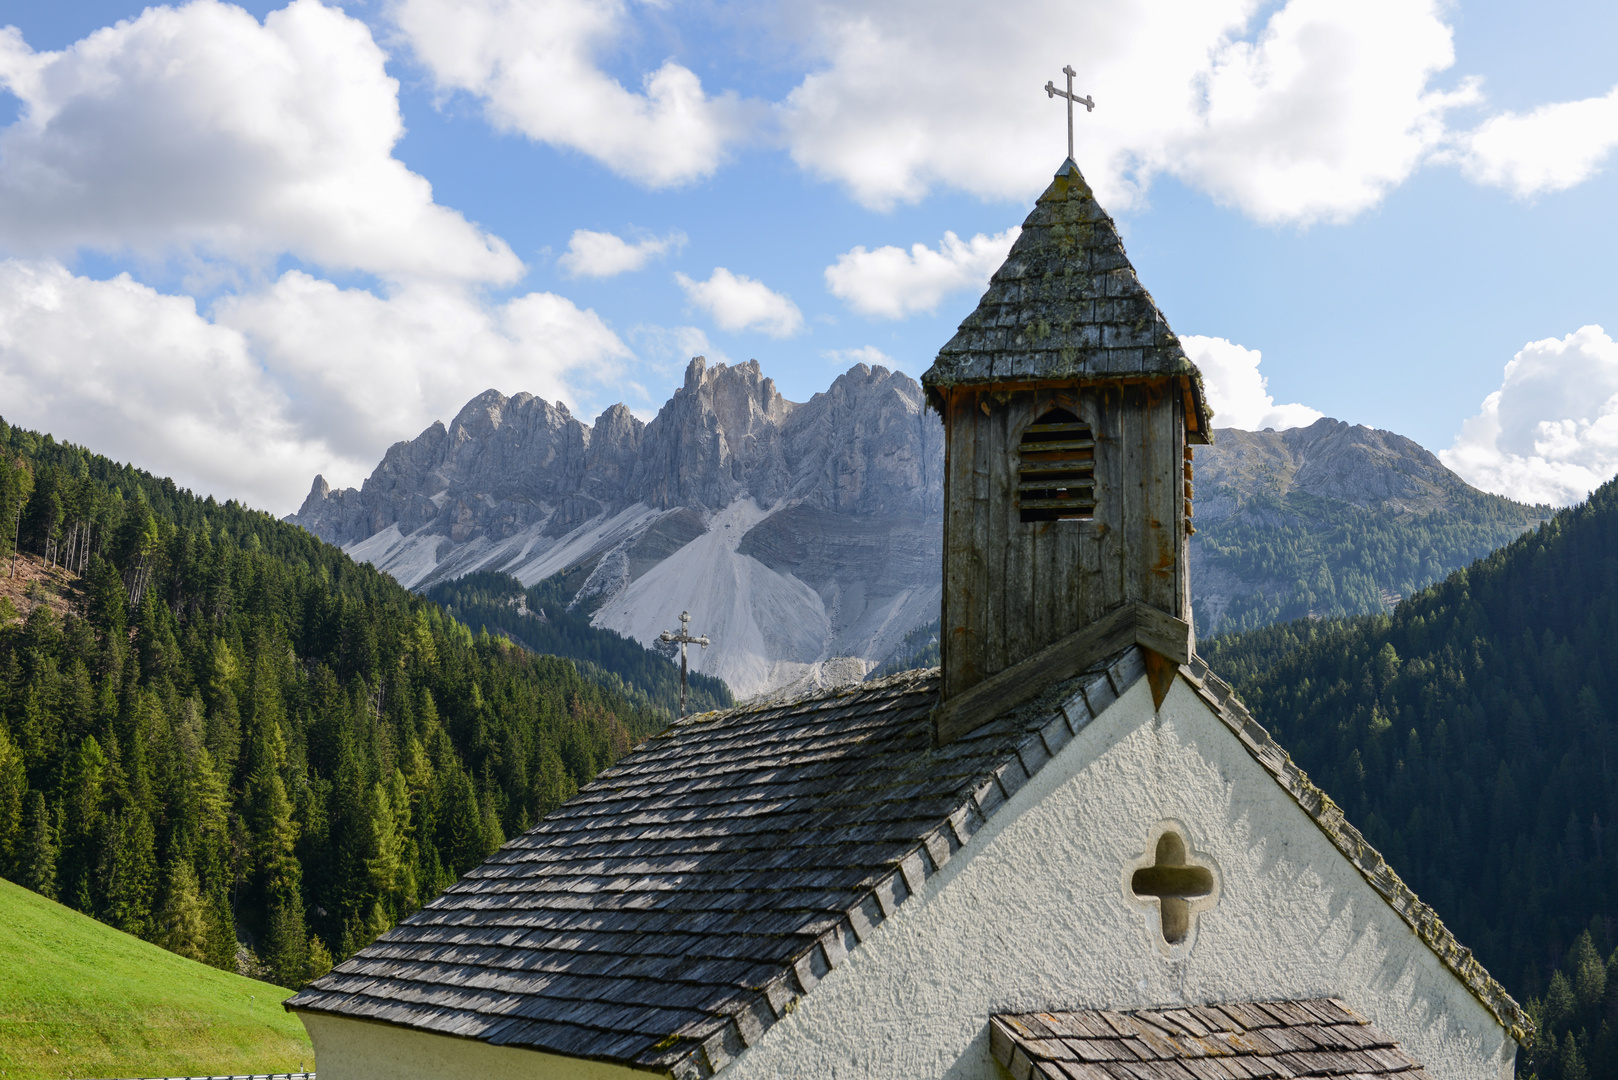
point(80, 999)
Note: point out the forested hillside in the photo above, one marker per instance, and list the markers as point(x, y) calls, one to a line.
point(1473, 735)
point(1315, 557)
point(241, 735)
point(538, 619)
point(1329, 520)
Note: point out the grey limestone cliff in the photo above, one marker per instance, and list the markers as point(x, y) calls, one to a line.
point(805, 538)
point(798, 533)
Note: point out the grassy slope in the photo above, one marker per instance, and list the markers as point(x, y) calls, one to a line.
point(78, 998)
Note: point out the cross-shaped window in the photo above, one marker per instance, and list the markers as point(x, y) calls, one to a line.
point(1175, 884)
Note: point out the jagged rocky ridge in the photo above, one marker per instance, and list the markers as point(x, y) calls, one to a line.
point(805, 539)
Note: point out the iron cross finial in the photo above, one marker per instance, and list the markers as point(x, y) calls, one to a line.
point(684, 638)
point(1072, 99)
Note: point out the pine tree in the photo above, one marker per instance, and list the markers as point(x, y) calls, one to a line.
point(1560, 1003)
point(286, 945)
point(82, 792)
point(1569, 1062)
point(319, 960)
point(36, 860)
point(492, 835)
point(460, 836)
point(1589, 974)
point(129, 871)
point(107, 601)
point(182, 922)
point(389, 861)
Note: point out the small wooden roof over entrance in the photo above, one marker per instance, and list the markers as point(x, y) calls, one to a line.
point(1257, 1040)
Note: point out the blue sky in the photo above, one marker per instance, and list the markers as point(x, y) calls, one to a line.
point(246, 244)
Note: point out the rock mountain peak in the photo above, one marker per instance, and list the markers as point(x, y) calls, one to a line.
point(804, 537)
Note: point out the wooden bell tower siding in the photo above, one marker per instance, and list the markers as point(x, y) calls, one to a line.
point(1065, 325)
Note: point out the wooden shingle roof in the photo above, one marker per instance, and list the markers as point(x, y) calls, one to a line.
point(1065, 305)
point(683, 901)
point(1257, 1040)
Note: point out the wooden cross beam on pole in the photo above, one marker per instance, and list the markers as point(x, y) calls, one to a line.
point(1072, 99)
point(684, 638)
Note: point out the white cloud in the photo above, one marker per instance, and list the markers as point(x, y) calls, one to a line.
point(197, 130)
point(869, 355)
point(534, 65)
point(1237, 393)
point(1312, 113)
point(737, 302)
point(301, 377)
point(893, 283)
point(1552, 148)
point(141, 377)
point(1550, 433)
point(605, 254)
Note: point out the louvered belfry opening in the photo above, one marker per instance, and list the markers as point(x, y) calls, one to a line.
point(1056, 469)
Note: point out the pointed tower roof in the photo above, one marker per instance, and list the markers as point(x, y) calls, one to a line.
point(1066, 305)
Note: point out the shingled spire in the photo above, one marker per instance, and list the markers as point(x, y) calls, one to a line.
point(1065, 305)
point(1069, 409)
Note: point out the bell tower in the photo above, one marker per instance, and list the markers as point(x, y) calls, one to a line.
point(1069, 412)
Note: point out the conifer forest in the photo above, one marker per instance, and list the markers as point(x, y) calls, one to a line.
point(237, 743)
point(1472, 736)
point(224, 736)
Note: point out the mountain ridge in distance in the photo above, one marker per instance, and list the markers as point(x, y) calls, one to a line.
point(806, 538)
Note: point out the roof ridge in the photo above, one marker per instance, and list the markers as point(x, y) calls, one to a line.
point(1329, 818)
point(766, 704)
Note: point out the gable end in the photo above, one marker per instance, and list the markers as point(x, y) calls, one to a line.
point(1328, 816)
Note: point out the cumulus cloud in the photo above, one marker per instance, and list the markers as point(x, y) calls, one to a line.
point(142, 377)
point(869, 355)
point(367, 370)
point(1238, 395)
point(1552, 148)
point(605, 254)
point(298, 378)
point(197, 129)
point(737, 302)
point(1550, 433)
point(1308, 112)
point(893, 283)
point(534, 65)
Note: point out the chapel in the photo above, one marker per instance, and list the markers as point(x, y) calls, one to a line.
point(1068, 852)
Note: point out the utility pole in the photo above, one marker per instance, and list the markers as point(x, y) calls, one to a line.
point(684, 638)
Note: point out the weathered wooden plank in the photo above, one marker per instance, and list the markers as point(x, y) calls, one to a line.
point(965, 533)
point(1109, 502)
point(1163, 488)
point(1087, 539)
point(1016, 596)
point(1029, 678)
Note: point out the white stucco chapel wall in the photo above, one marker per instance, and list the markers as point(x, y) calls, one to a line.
point(1035, 914)
point(349, 1049)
